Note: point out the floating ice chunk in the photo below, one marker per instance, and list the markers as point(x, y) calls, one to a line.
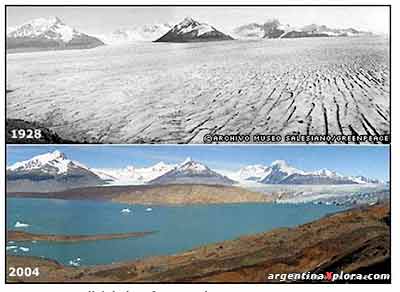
point(126, 210)
point(149, 209)
point(74, 263)
point(24, 249)
point(10, 247)
point(21, 225)
point(34, 241)
point(11, 241)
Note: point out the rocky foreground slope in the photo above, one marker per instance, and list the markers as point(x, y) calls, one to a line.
point(356, 241)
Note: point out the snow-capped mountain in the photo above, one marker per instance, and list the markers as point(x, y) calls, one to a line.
point(145, 33)
point(280, 172)
point(326, 31)
point(190, 30)
point(48, 33)
point(192, 172)
point(274, 29)
point(254, 172)
point(49, 172)
point(133, 176)
point(52, 163)
point(54, 172)
point(366, 180)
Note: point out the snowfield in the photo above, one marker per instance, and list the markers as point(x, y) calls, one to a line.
point(176, 93)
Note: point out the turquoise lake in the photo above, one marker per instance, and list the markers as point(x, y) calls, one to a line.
point(178, 228)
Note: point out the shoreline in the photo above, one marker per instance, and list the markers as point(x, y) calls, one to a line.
point(170, 195)
point(21, 236)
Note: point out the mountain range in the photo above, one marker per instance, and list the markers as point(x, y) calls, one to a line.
point(52, 33)
point(280, 172)
point(274, 29)
point(54, 172)
point(48, 34)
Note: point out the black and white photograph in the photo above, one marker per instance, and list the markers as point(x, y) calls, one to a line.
point(197, 74)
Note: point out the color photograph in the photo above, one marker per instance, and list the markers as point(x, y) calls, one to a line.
point(160, 214)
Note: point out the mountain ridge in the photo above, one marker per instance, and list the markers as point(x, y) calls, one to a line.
point(192, 172)
point(48, 34)
point(273, 29)
point(50, 171)
point(280, 172)
point(190, 30)
point(56, 166)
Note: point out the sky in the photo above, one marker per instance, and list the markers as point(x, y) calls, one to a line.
point(347, 160)
point(100, 20)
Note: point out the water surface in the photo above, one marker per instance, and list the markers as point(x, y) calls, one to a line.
point(179, 228)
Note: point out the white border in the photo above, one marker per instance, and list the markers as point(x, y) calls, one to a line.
point(222, 287)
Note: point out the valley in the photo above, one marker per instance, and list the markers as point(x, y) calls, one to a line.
point(177, 93)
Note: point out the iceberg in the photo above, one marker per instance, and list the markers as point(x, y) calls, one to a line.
point(21, 225)
point(126, 210)
point(74, 263)
point(24, 249)
point(149, 209)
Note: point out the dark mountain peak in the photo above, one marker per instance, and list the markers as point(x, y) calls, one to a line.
point(186, 24)
point(192, 172)
point(190, 30)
